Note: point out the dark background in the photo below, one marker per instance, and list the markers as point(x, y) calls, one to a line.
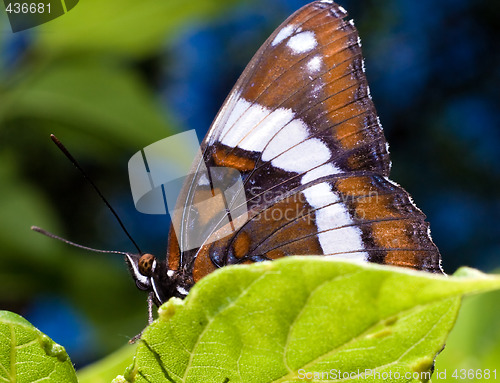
point(112, 77)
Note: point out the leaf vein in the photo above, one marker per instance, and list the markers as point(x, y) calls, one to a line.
point(360, 335)
point(300, 313)
point(211, 319)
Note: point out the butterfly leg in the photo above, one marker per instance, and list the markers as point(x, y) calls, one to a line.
point(150, 318)
point(150, 308)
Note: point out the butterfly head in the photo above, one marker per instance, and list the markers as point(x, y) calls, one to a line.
point(153, 276)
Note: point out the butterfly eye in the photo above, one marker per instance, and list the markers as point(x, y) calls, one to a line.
point(147, 264)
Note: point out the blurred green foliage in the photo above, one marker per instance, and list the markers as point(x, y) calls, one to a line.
point(108, 368)
point(82, 78)
point(474, 343)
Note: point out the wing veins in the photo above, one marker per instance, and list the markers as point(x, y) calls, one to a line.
point(342, 227)
point(295, 64)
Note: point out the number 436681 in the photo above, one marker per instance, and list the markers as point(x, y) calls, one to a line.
point(28, 8)
point(474, 374)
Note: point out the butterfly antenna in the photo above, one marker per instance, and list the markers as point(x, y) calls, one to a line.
point(65, 151)
point(50, 235)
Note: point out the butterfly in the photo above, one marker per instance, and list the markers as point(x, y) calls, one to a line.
point(301, 129)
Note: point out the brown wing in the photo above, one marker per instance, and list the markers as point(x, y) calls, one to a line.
point(359, 216)
point(301, 128)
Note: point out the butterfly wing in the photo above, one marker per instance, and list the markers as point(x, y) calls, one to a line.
point(301, 129)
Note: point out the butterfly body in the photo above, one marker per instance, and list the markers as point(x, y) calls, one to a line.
point(301, 130)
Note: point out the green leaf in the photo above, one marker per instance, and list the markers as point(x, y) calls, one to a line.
point(125, 27)
point(278, 321)
point(27, 355)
